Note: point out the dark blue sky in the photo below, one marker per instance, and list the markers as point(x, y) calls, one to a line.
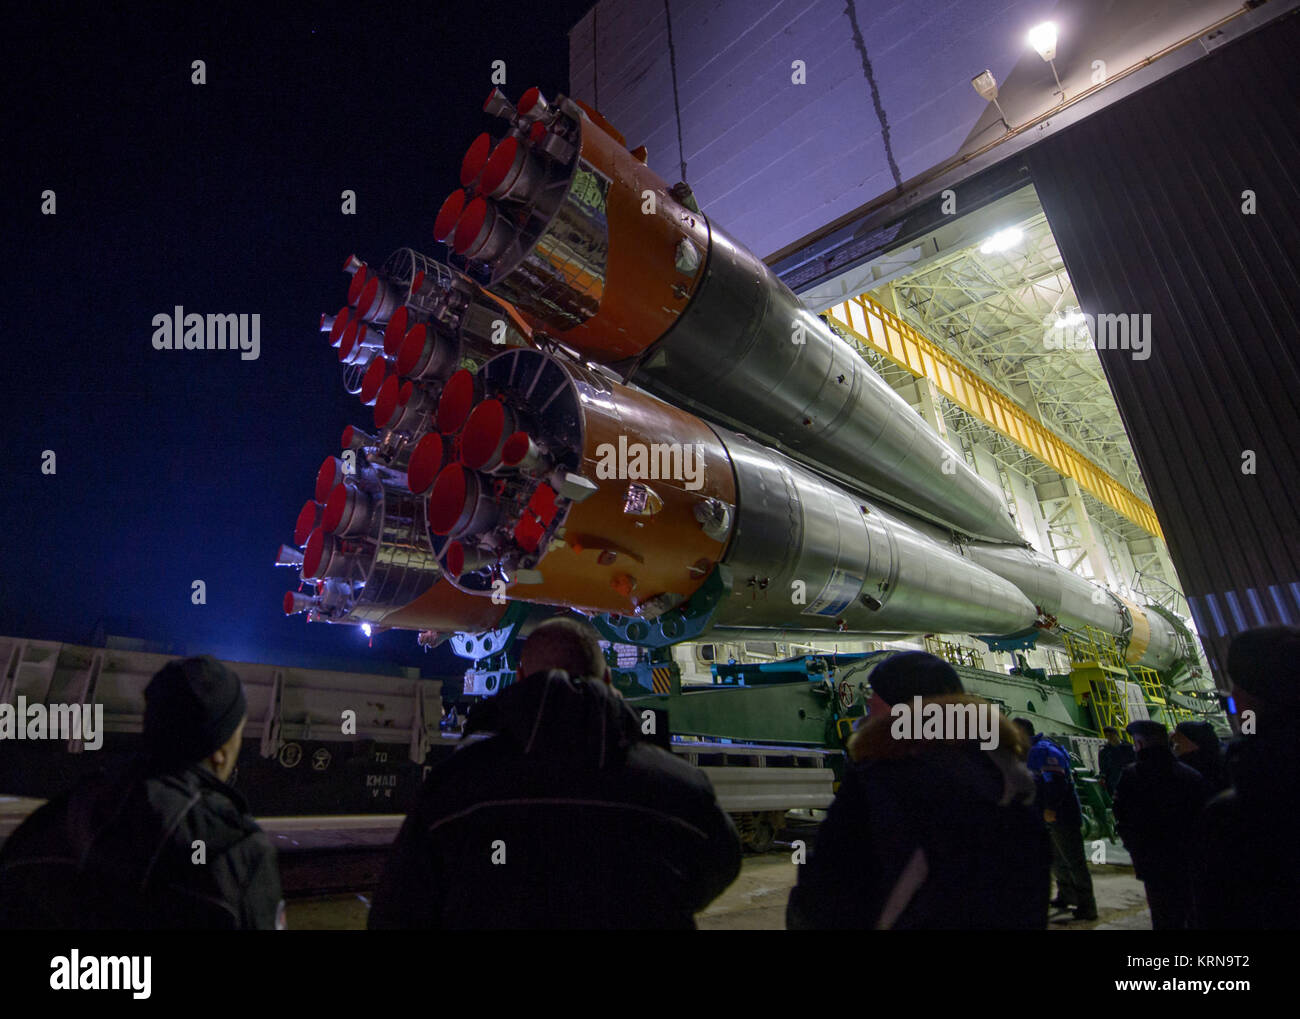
point(225, 197)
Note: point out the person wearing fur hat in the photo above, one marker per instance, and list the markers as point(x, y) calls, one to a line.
point(160, 843)
point(934, 825)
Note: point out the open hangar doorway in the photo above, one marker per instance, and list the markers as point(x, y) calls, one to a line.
point(1174, 211)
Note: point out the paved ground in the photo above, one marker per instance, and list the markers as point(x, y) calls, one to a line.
point(756, 901)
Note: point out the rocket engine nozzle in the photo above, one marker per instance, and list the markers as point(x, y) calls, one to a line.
point(295, 602)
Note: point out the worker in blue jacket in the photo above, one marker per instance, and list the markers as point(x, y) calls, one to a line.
point(1059, 802)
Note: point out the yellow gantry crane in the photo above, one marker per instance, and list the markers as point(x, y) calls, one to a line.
point(872, 326)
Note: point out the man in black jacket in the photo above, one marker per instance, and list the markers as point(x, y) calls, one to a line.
point(1244, 868)
point(1156, 806)
point(1115, 756)
point(162, 843)
point(565, 818)
point(927, 833)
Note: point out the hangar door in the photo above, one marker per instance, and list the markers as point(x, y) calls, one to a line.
point(1182, 203)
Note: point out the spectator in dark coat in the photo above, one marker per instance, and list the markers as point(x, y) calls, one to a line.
point(162, 843)
point(1156, 806)
point(927, 833)
point(1244, 872)
point(565, 818)
point(1196, 745)
point(1057, 800)
point(1115, 756)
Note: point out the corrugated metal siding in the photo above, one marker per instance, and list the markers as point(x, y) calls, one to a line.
point(1145, 200)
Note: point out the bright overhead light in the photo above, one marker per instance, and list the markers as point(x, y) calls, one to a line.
point(365, 628)
point(1001, 240)
point(1043, 39)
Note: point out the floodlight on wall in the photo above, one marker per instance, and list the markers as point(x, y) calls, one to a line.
point(1043, 39)
point(987, 87)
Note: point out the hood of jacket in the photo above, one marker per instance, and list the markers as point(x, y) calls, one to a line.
point(963, 757)
point(552, 716)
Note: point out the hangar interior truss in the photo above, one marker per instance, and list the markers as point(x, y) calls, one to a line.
point(960, 328)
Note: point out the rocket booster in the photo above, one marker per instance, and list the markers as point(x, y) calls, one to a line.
point(601, 253)
point(609, 518)
point(604, 403)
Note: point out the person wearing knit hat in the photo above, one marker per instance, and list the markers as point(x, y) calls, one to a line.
point(194, 711)
point(1243, 869)
point(160, 842)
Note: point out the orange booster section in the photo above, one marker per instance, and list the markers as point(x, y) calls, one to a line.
point(573, 230)
point(560, 489)
point(445, 609)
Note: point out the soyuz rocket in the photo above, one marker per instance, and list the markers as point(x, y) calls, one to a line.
point(602, 402)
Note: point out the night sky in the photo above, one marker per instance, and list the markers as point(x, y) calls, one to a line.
point(224, 198)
